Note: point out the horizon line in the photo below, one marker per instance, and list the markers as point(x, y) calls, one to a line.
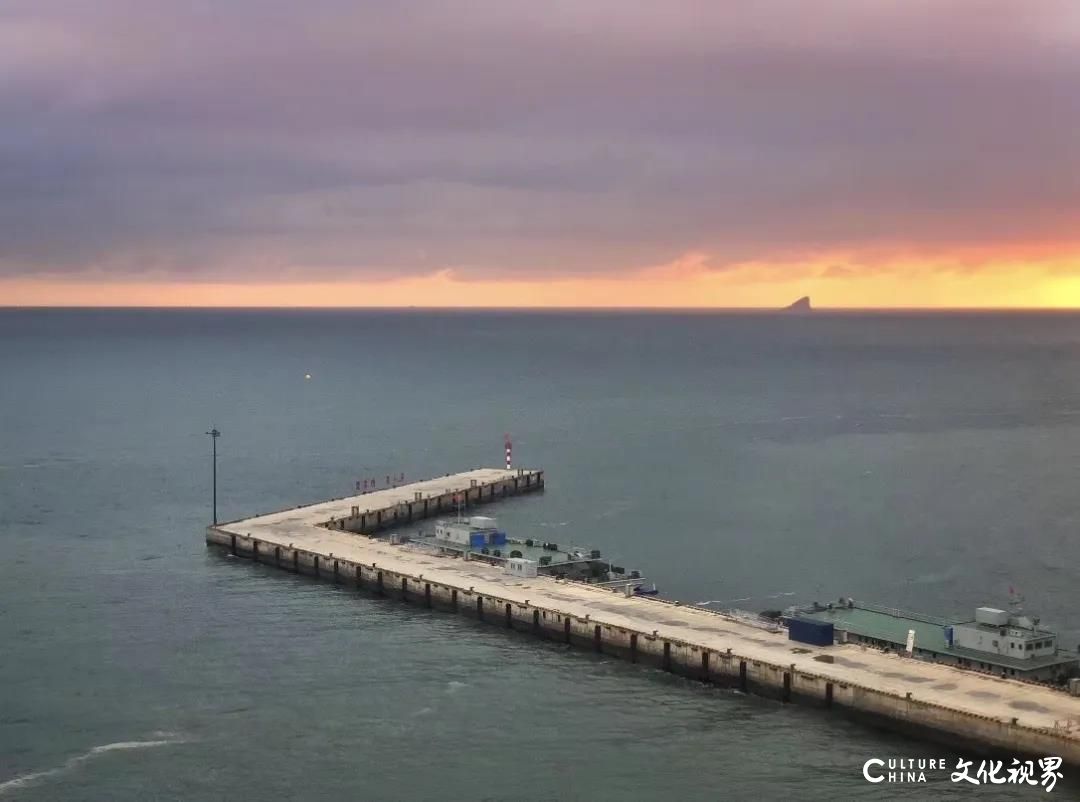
point(482, 308)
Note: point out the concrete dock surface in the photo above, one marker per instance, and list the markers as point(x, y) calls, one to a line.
point(1003, 713)
point(465, 484)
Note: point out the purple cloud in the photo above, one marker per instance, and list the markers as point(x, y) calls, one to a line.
point(248, 139)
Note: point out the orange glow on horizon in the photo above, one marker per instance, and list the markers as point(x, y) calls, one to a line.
point(835, 281)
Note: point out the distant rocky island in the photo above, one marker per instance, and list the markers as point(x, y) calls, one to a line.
point(801, 306)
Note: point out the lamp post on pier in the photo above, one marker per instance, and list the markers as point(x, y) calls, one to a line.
point(214, 435)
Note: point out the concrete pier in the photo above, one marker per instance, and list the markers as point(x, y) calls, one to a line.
point(378, 510)
point(940, 702)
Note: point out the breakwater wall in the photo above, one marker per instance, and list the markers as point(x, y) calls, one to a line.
point(928, 700)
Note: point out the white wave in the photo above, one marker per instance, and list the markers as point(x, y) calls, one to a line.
point(36, 776)
point(727, 601)
point(779, 595)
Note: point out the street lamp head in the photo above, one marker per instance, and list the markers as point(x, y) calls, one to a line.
point(214, 432)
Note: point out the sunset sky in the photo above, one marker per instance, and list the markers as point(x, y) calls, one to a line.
point(869, 153)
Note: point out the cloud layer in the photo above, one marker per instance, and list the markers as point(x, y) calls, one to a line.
point(253, 141)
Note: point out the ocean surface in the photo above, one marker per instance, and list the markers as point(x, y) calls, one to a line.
point(922, 461)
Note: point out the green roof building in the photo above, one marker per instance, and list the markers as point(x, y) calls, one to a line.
point(1011, 647)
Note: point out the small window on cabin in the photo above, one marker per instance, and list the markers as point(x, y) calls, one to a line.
point(995, 643)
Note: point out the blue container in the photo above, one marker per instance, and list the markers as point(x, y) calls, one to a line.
point(498, 538)
point(477, 540)
point(812, 631)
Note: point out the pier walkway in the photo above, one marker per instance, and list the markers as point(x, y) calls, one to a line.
point(932, 699)
point(395, 506)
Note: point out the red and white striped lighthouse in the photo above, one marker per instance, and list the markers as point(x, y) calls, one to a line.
point(509, 448)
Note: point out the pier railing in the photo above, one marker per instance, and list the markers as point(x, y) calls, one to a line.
point(896, 612)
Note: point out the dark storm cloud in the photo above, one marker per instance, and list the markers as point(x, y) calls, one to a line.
point(251, 138)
